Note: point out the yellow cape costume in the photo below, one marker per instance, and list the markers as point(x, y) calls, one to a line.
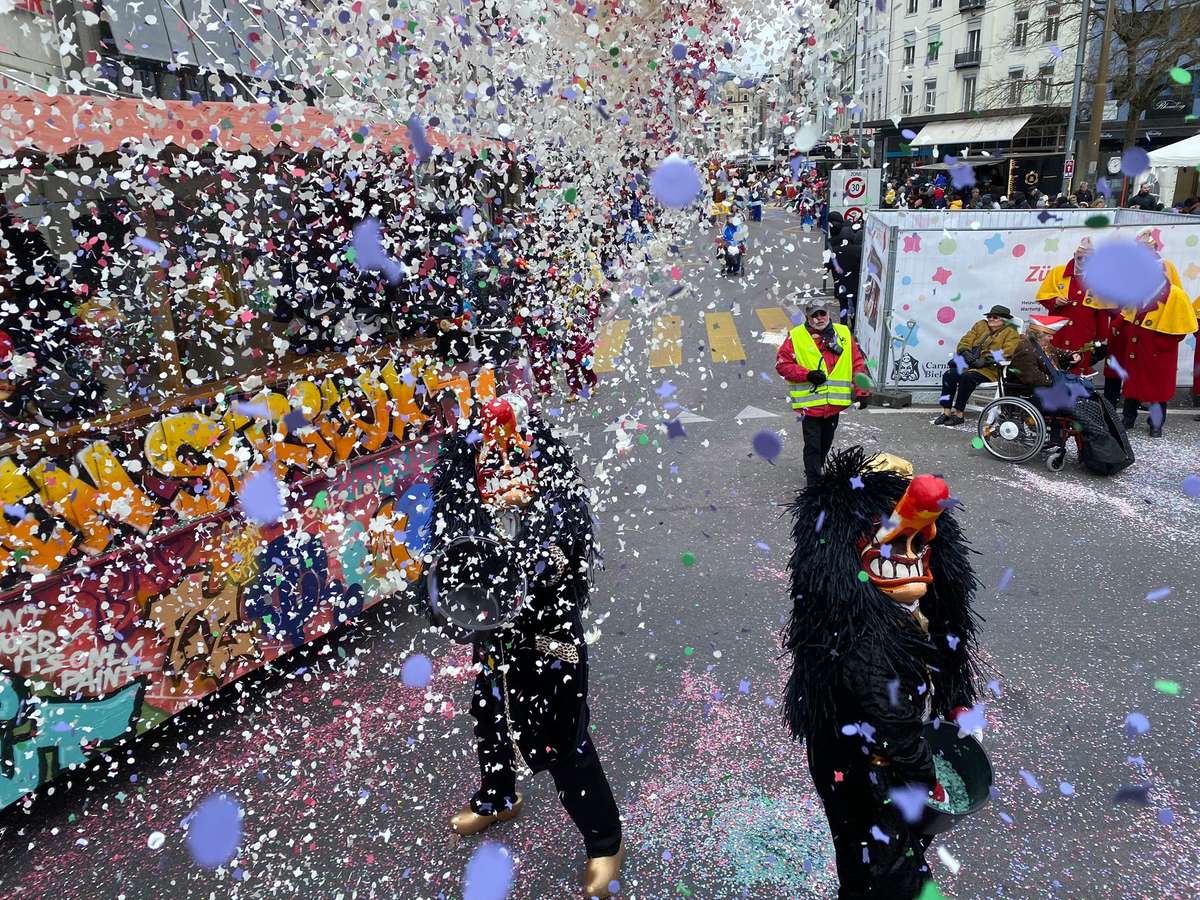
point(1174, 315)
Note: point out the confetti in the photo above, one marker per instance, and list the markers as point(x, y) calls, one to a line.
point(260, 498)
point(768, 445)
point(416, 671)
point(675, 183)
point(214, 831)
point(1124, 272)
point(489, 873)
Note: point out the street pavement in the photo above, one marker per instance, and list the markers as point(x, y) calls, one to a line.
point(346, 777)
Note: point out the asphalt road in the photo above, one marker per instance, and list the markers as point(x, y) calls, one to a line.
point(345, 776)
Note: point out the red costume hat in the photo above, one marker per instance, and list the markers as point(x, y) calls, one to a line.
point(1047, 324)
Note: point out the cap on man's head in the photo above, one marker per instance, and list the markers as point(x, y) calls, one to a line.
point(1002, 311)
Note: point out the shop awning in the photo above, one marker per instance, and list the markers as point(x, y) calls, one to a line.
point(101, 124)
point(962, 132)
point(1181, 154)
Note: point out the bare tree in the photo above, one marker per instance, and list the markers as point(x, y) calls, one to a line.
point(1151, 37)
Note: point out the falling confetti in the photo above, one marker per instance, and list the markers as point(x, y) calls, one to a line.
point(768, 445)
point(489, 873)
point(214, 831)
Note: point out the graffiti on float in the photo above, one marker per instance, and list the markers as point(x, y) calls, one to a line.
point(42, 736)
point(134, 587)
point(190, 464)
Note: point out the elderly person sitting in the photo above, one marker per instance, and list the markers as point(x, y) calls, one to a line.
point(979, 352)
point(1037, 361)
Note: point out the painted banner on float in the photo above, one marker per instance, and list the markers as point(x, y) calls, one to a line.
point(132, 585)
point(945, 279)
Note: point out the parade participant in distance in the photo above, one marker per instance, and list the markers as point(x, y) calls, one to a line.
point(1088, 319)
point(516, 484)
point(991, 339)
point(826, 372)
point(882, 639)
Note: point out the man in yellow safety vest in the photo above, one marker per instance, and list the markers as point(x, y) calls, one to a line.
point(826, 373)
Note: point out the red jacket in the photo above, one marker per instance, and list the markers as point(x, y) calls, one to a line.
point(786, 365)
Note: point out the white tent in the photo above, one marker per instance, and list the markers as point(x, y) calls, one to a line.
point(1181, 154)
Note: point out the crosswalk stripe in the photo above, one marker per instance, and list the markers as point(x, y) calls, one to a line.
point(666, 346)
point(609, 344)
point(723, 342)
point(773, 318)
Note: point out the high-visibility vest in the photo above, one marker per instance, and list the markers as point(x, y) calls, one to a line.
point(838, 389)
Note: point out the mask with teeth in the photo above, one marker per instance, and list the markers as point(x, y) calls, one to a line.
point(896, 557)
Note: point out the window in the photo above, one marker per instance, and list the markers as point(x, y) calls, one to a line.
point(931, 95)
point(973, 40)
point(935, 43)
point(935, 4)
point(1046, 83)
point(910, 56)
point(906, 95)
point(968, 103)
point(912, 7)
point(1021, 29)
point(1016, 84)
point(1052, 18)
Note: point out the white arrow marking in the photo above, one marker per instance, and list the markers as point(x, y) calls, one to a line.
point(753, 412)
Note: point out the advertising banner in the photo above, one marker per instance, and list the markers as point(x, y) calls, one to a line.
point(944, 279)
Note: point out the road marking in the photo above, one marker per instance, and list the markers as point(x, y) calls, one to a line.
point(689, 418)
point(753, 412)
point(666, 346)
point(774, 318)
point(723, 343)
point(609, 344)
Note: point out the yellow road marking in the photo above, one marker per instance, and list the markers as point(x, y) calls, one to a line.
point(773, 318)
point(609, 344)
point(723, 342)
point(666, 346)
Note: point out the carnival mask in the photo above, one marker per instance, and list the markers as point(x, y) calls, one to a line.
point(505, 472)
point(896, 557)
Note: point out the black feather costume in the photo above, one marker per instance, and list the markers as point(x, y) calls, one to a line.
point(530, 695)
point(863, 666)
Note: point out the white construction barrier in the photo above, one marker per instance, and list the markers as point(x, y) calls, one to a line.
point(927, 276)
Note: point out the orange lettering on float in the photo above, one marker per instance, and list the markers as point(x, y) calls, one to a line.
point(402, 389)
point(274, 446)
point(339, 436)
point(376, 426)
point(485, 385)
point(210, 443)
point(306, 397)
point(121, 499)
point(458, 382)
point(21, 543)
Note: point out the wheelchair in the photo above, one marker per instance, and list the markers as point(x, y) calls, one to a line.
point(1014, 428)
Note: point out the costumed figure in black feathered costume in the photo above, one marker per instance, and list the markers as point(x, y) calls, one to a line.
point(882, 638)
point(508, 479)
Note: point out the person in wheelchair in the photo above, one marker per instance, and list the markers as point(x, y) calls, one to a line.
point(1038, 369)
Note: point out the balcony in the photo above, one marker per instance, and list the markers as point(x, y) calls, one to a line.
point(967, 59)
point(970, 6)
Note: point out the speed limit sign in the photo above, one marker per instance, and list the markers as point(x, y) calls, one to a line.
point(856, 186)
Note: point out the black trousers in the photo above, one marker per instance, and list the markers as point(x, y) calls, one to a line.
point(581, 783)
point(1129, 413)
point(1112, 389)
point(818, 438)
point(957, 388)
point(890, 869)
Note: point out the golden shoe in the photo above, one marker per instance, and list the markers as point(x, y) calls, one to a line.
point(468, 822)
point(602, 871)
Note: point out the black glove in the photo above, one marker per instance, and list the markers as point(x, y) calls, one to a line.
point(1099, 352)
point(815, 377)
